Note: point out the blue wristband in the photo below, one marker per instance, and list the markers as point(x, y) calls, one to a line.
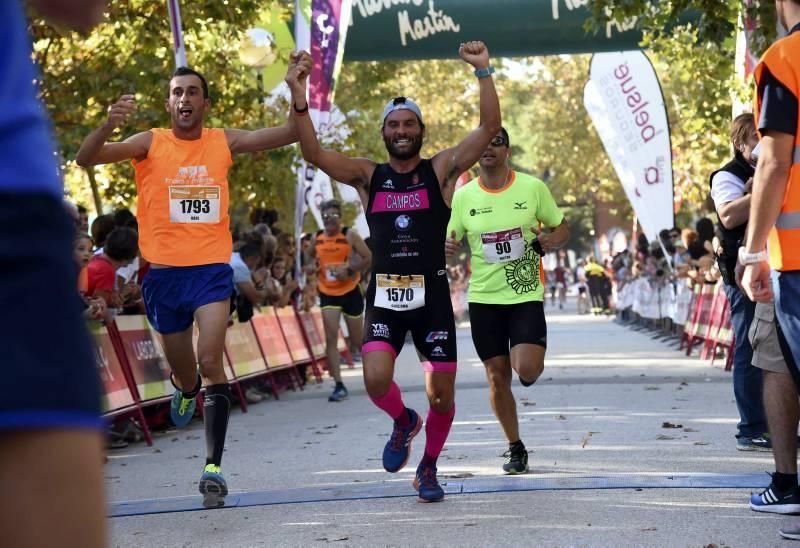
point(484, 72)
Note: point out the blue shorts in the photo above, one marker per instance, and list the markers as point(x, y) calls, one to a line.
point(49, 379)
point(171, 295)
point(787, 314)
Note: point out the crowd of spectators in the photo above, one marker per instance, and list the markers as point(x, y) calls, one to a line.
point(681, 258)
point(111, 271)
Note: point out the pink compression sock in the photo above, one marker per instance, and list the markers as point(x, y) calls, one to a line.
point(437, 427)
point(392, 403)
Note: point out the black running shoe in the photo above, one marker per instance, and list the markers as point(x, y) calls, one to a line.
point(775, 502)
point(760, 443)
point(517, 462)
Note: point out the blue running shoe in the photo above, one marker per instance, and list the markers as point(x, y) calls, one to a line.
point(181, 410)
point(339, 393)
point(773, 501)
point(398, 448)
point(213, 487)
point(426, 483)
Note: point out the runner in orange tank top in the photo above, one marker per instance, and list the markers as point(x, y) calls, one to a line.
point(182, 186)
point(342, 256)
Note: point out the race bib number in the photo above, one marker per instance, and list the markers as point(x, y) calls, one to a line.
point(194, 204)
point(399, 292)
point(503, 246)
point(330, 271)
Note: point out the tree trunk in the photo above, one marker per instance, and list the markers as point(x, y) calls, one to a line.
point(98, 202)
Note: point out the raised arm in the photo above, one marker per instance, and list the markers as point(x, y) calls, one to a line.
point(452, 162)
point(96, 150)
point(80, 15)
point(243, 141)
point(355, 172)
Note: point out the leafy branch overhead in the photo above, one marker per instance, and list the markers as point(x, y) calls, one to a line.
point(83, 75)
point(713, 20)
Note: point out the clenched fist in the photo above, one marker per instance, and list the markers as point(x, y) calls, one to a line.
point(475, 53)
point(300, 65)
point(119, 112)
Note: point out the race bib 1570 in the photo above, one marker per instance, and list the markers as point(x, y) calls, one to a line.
point(399, 292)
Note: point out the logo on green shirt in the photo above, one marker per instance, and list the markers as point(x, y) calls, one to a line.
point(522, 275)
point(480, 211)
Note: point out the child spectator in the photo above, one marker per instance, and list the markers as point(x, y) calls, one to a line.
point(280, 294)
point(93, 309)
point(121, 248)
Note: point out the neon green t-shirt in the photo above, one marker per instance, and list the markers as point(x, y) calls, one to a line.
point(505, 268)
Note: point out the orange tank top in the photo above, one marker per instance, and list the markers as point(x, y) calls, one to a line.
point(182, 206)
point(333, 251)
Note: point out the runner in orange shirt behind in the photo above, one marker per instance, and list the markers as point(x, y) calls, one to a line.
point(182, 186)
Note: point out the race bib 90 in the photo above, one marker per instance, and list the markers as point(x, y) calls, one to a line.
point(503, 246)
point(399, 292)
point(194, 204)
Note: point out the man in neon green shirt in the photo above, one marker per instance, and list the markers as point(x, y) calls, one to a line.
point(501, 213)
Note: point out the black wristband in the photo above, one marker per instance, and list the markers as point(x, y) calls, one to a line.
point(299, 110)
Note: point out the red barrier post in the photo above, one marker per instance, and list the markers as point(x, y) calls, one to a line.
point(119, 351)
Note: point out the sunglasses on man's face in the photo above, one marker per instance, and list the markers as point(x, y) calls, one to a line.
point(499, 141)
point(330, 216)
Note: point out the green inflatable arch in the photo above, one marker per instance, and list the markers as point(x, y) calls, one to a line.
point(429, 29)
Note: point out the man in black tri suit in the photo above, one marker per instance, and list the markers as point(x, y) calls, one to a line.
point(407, 203)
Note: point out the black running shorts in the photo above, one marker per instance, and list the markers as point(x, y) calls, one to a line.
point(497, 327)
point(351, 304)
point(433, 327)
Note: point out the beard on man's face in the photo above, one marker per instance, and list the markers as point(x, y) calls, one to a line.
point(403, 152)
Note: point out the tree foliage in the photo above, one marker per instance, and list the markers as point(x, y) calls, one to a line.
point(542, 102)
point(713, 20)
point(132, 52)
point(692, 45)
point(445, 90)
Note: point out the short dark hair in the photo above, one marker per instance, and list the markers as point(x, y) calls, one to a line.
point(81, 209)
point(101, 228)
point(249, 249)
point(186, 71)
point(122, 244)
point(124, 217)
point(705, 229)
point(331, 204)
point(697, 250)
point(743, 127)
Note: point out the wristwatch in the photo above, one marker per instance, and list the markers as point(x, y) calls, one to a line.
point(484, 72)
point(746, 258)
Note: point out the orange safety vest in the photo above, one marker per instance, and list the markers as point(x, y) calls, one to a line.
point(183, 198)
point(782, 60)
point(334, 251)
